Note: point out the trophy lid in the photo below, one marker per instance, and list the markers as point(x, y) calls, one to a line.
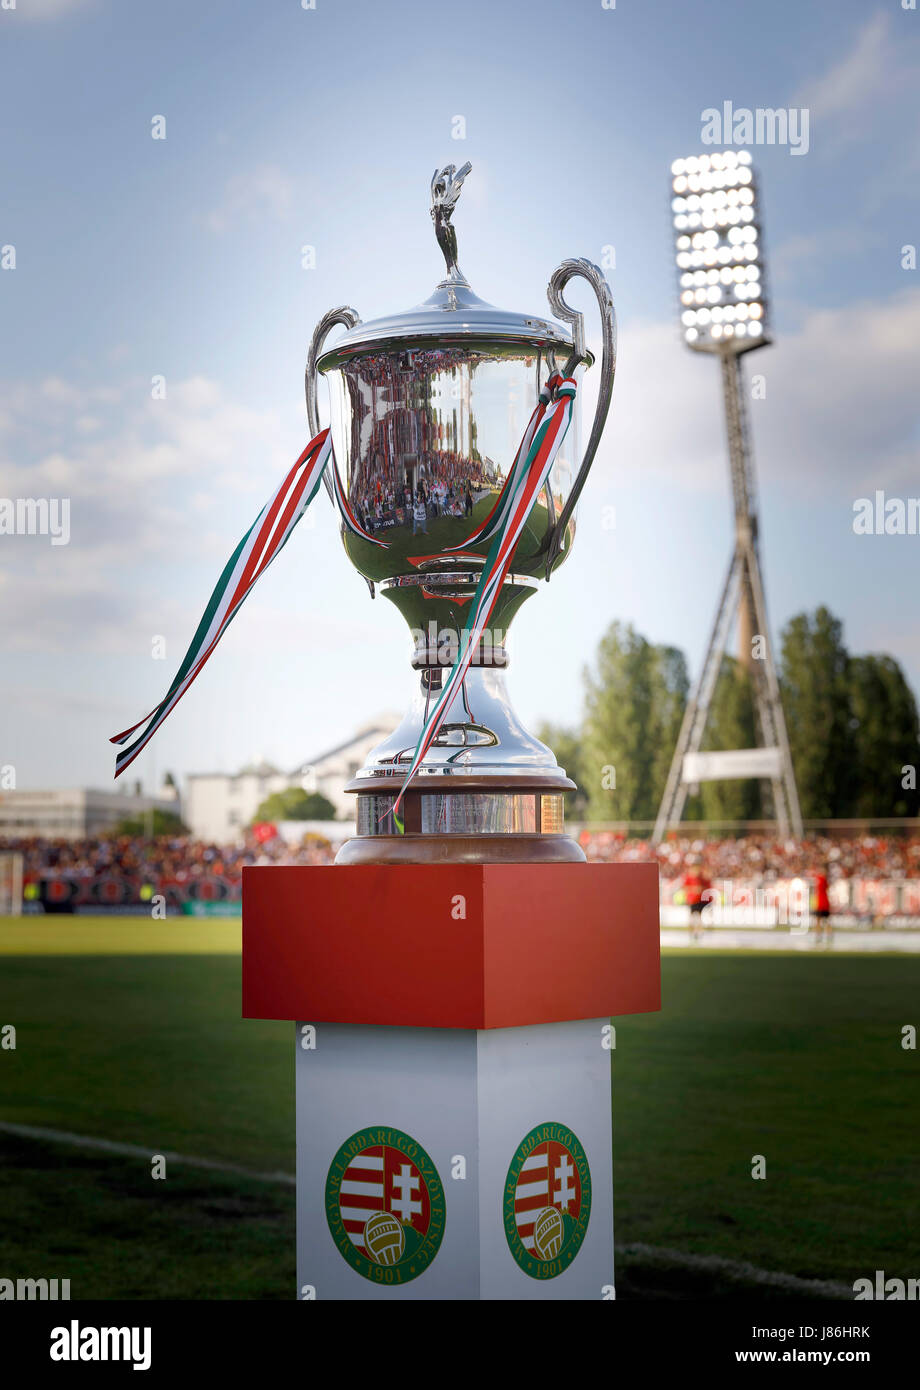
point(453, 315)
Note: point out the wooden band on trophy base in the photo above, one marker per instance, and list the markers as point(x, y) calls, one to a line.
point(528, 809)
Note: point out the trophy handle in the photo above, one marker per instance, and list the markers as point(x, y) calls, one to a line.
point(348, 317)
point(595, 277)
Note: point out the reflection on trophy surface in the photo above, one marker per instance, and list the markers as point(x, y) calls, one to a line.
point(428, 409)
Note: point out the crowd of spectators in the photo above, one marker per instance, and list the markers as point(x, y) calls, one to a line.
point(137, 858)
point(447, 485)
point(765, 857)
point(758, 857)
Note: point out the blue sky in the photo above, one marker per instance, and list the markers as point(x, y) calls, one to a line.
point(286, 127)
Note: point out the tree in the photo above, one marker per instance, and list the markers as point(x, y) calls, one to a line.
point(295, 804)
point(816, 700)
point(634, 702)
point(885, 737)
point(155, 823)
point(673, 689)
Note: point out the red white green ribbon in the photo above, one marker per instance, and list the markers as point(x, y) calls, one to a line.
point(525, 482)
point(267, 535)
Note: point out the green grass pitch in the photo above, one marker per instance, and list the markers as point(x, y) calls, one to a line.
point(130, 1030)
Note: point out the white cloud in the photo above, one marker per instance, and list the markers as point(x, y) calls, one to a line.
point(836, 242)
point(264, 191)
point(882, 66)
point(840, 408)
point(129, 482)
point(50, 9)
point(858, 77)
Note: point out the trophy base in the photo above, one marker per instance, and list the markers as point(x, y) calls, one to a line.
point(487, 791)
point(480, 821)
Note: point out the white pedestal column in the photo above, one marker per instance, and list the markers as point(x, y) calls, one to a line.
point(482, 1161)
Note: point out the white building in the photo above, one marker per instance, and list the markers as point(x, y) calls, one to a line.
point(219, 805)
point(75, 814)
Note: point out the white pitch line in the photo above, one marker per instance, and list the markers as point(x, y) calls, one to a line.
point(85, 1141)
point(738, 1269)
point(711, 1264)
point(764, 939)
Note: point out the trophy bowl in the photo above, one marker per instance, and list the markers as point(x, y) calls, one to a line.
point(427, 413)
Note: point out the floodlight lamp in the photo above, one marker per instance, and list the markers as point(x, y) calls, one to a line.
point(716, 239)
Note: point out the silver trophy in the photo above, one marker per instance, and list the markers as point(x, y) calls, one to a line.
point(427, 411)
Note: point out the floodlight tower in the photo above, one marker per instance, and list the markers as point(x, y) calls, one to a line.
point(724, 312)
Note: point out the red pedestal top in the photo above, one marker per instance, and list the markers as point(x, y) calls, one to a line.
point(450, 945)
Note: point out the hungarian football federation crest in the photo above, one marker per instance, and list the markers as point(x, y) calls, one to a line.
point(547, 1201)
point(385, 1205)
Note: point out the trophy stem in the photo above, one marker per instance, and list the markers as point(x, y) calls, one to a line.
point(486, 792)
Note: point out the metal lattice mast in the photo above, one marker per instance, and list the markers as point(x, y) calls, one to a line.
point(724, 313)
point(694, 720)
point(743, 586)
point(752, 600)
